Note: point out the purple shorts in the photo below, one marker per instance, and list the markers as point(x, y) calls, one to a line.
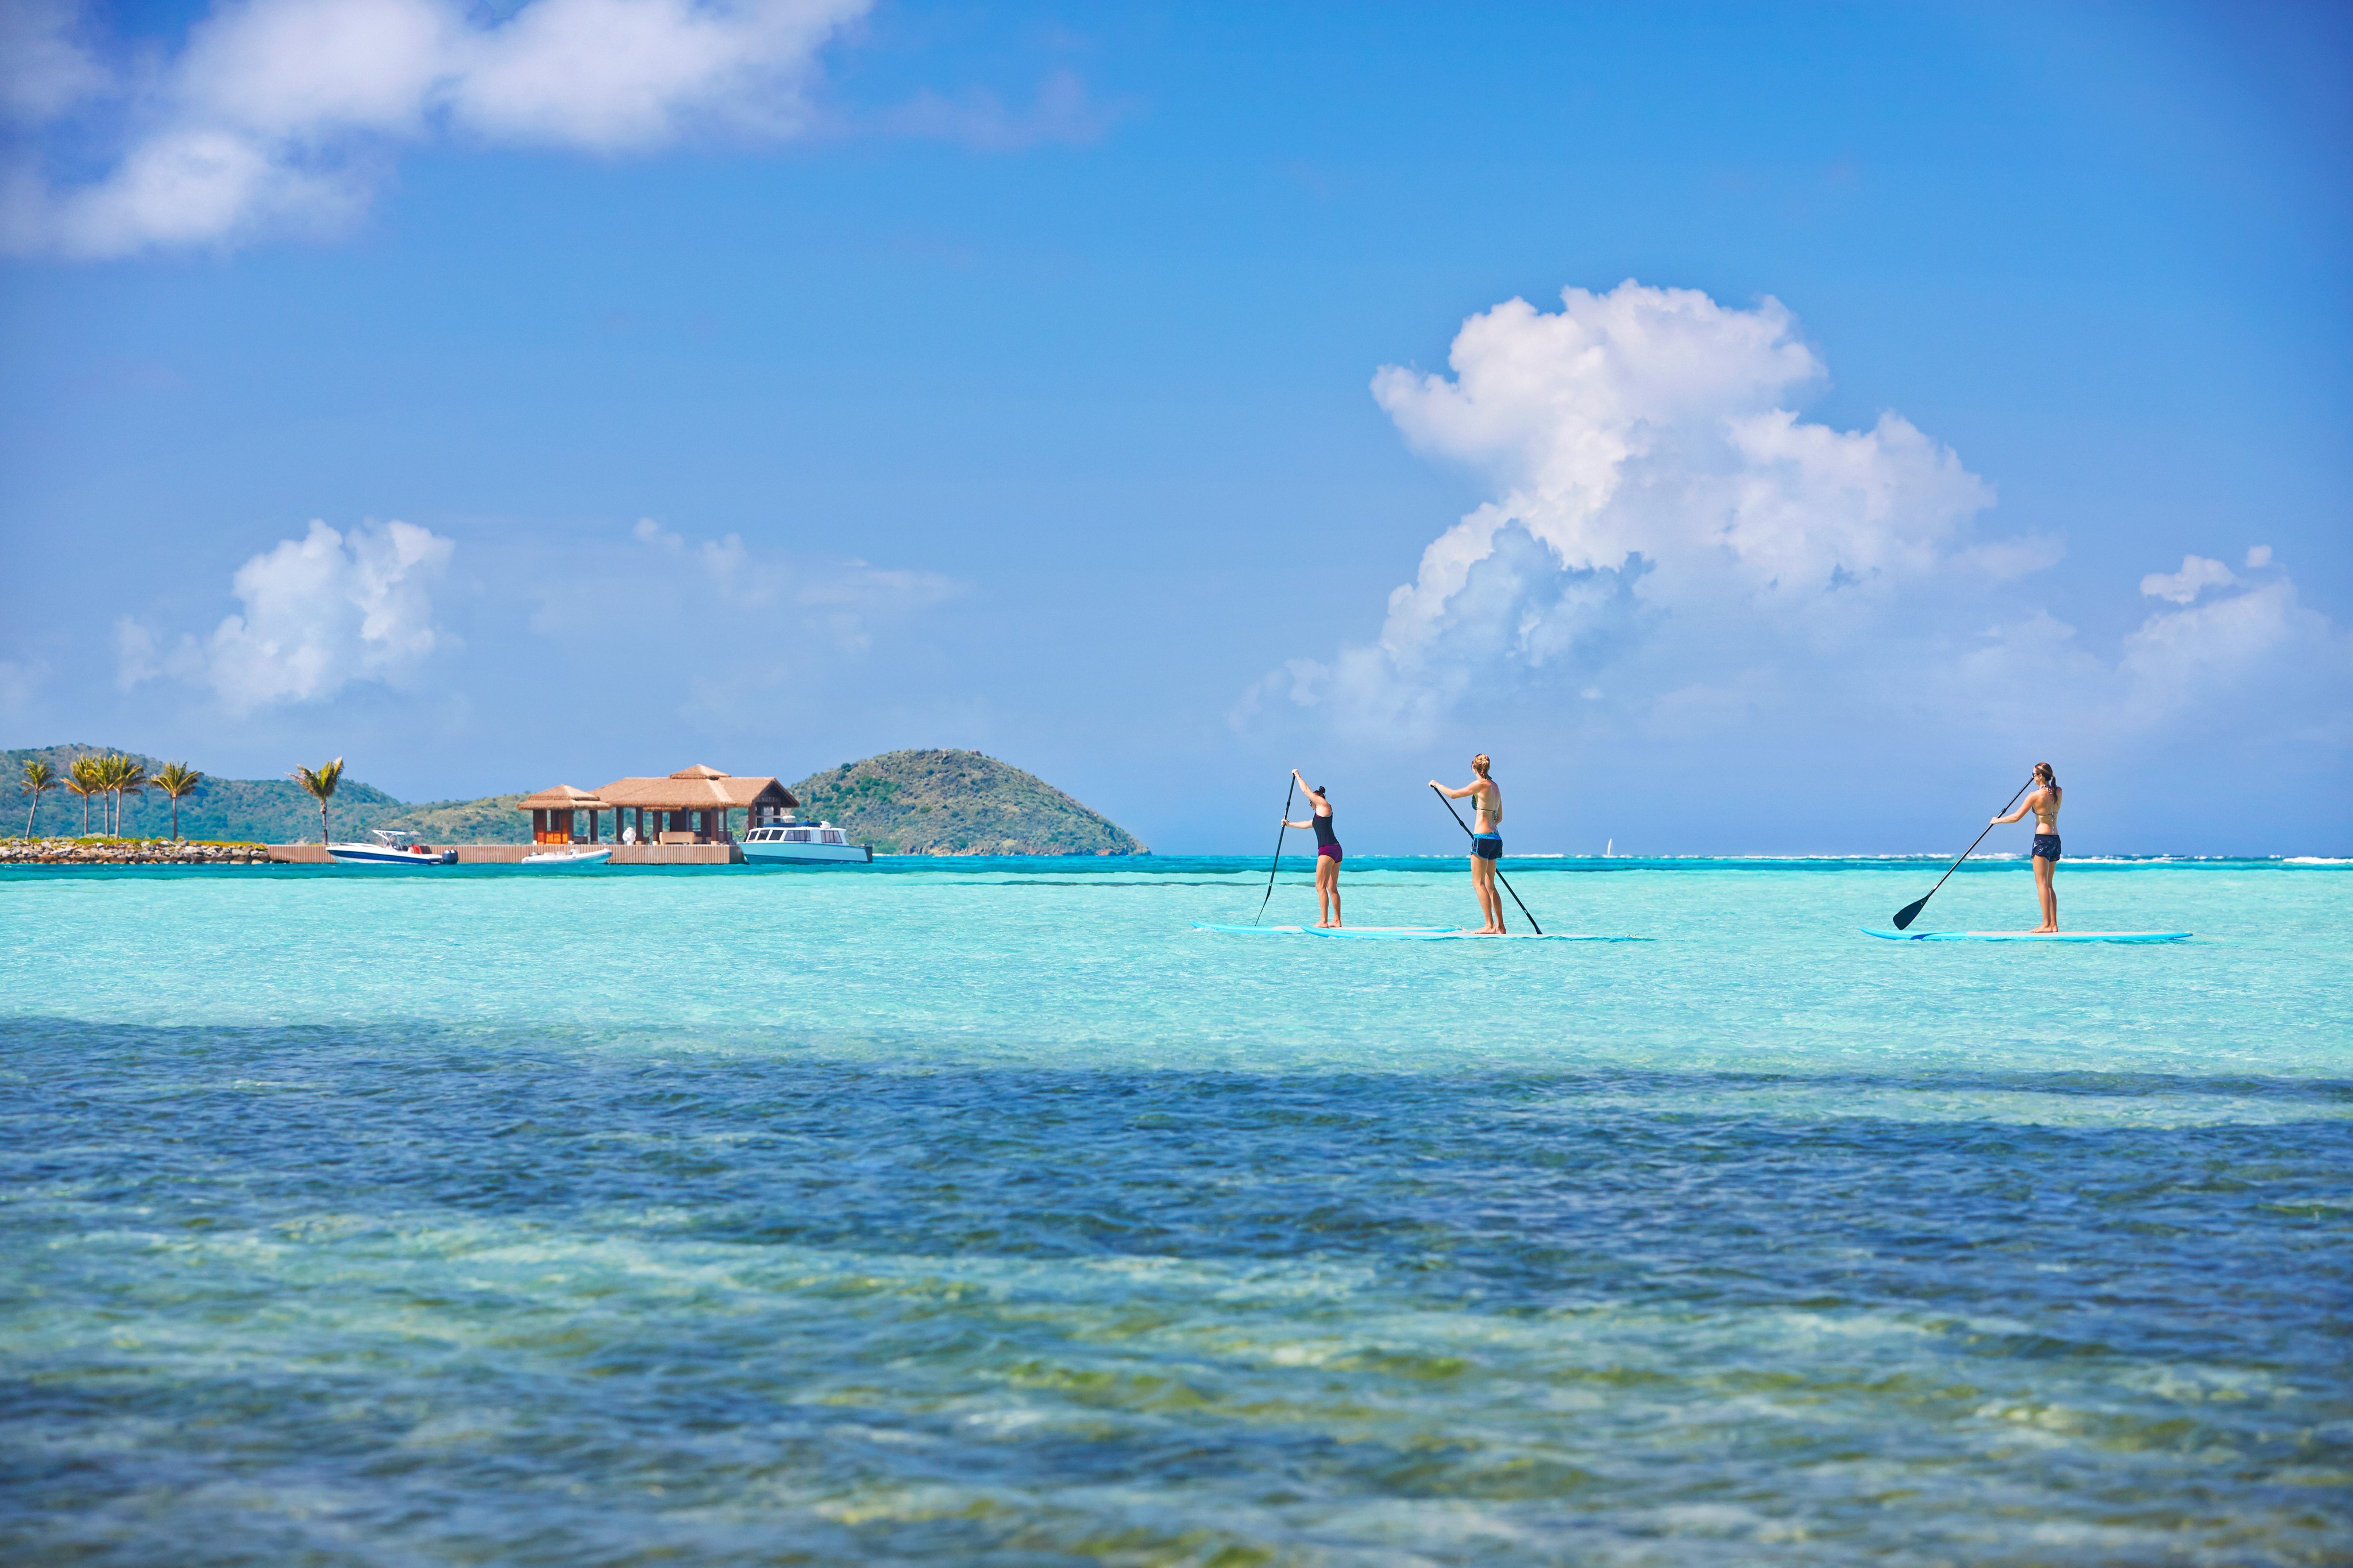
point(1331, 850)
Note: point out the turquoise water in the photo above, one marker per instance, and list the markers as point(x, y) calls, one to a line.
point(986, 1212)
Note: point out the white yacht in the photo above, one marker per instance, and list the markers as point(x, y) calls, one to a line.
point(791, 843)
point(393, 847)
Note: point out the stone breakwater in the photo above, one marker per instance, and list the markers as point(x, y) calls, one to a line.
point(127, 852)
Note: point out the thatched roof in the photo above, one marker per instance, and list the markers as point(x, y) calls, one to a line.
point(560, 797)
point(698, 789)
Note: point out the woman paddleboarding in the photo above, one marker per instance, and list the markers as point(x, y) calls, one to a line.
point(1486, 839)
point(2044, 802)
point(1327, 853)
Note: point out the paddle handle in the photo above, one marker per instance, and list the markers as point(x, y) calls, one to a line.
point(1499, 870)
point(1277, 863)
point(1904, 916)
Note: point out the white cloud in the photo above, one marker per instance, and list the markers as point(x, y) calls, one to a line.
point(1673, 559)
point(760, 606)
point(2198, 574)
point(279, 114)
point(20, 679)
point(319, 613)
point(45, 68)
point(1652, 483)
point(1063, 112)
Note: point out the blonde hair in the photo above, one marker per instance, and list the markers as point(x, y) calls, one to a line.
point(1480, 763)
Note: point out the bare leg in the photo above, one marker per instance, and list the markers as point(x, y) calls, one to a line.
point(1483, 882)
point(1327, 891)
point(2047, 894)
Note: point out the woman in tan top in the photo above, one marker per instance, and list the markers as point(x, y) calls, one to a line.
point(1486, 840)
point(2044, 802)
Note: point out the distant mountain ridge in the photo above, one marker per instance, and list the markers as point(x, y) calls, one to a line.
point(956, 802)
point(909, 803)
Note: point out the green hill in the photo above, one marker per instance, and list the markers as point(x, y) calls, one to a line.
point(266, 811)
point(909, 803)
point(956, 802)
point(492, 819)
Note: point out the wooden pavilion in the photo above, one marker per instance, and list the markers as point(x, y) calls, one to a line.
point(556, 815)
point(695, 806)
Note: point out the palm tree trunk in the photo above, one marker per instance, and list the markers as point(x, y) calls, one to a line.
point(322, 822)
point(85, 816)
point(175, 820)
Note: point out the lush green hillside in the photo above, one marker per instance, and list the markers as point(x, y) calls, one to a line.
point(492, 819)
point(270, 811)
point(913, 802)
point(956, 802)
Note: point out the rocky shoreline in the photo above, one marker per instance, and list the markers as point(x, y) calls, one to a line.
point(128, 852)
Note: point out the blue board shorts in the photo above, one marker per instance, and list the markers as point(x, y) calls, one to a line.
point(1489, 845)
point(2046, 847)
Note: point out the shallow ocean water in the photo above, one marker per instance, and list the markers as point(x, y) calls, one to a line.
point(987, 1213)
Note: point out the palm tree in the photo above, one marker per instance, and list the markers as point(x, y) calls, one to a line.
point(40, 780)
point(176, 779)
point(321, 783)
point(124, 775)
point(84, 778)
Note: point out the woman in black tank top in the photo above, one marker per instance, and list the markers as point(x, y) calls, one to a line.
point(1327, 853)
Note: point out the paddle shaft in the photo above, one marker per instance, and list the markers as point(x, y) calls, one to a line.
point(1474, 839)
point(1278, 850)
point(1966, 853)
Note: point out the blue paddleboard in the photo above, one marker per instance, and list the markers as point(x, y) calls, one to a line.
point(2027, 935)
point(1407, 933)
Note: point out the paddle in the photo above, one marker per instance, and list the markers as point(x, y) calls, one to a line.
point(1278, 850)
point(1911, 911)
point(1474, 839)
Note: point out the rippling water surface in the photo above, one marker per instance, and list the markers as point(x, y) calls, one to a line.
point(988, 1212)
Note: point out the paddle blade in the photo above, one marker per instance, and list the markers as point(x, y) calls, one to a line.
point(1908, 913)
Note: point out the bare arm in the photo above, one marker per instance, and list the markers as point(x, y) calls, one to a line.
point(1454, 794)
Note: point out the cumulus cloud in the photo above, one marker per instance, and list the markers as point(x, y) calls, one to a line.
point(2198, 574)
point(279, 114)
point(1672, 556)
point(1653, 481)
point(318, 613)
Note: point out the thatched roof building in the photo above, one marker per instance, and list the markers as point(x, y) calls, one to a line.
point(692, 806)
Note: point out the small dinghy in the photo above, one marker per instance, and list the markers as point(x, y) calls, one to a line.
point(395, 848)
point(567, 859)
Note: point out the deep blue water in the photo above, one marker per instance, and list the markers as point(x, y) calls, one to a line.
point(987, 1213)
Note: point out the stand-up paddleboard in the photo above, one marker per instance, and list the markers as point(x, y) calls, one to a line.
point(1406, 933)
point(2027, 935)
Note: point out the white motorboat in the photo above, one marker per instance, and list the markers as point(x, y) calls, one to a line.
point(790, 843)
point(583, 859)
point(393, 847)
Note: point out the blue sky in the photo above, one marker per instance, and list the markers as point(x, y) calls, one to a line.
point(1940, 390)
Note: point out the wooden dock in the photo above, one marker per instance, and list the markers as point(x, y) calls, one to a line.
point(508, 853)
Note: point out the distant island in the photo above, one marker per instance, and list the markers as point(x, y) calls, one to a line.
point(956, 802)
point(905, 803)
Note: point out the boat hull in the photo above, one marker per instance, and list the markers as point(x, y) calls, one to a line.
point(577, 860)
point(807, 854)
point(390, 860)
